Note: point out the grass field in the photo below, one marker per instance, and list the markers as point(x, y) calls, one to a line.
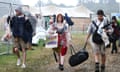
point(42, 60)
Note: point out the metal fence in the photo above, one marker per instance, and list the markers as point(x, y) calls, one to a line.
point(6, 9)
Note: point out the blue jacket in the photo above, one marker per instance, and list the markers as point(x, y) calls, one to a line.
point(18, 27)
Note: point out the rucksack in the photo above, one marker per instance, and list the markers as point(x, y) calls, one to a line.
point(69, 21)
point(96, 38)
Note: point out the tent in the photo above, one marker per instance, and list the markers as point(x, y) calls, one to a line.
point(80, 15)
point(78, 11)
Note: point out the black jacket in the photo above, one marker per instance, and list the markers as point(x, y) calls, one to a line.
point(20, 27)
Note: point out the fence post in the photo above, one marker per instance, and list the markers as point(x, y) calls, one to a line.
point(83, 29)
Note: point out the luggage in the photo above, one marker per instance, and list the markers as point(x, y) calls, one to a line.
point(79, 57)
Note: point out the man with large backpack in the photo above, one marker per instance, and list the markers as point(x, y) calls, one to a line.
point(95, 32)
point(18, 28)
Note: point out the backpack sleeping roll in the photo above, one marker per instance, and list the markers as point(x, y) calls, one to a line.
point(79, 57)
point(96, 38)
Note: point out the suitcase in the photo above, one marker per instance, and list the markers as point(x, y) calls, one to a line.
point(79, 57)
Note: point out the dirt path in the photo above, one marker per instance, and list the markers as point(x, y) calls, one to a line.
point(112, 64)
point(42, 60)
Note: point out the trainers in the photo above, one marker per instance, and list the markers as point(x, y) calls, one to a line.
point(61, 67)
point(18, 62)
point(97, 67)
point(108, 46)
point(23, 66)
point(102, 68)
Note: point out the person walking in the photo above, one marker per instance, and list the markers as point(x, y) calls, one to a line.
point(18, 26)
point(115, 35)
point(98, 47)
point(62, 30)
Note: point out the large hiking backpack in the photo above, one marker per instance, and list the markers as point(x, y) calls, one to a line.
point(97, 38)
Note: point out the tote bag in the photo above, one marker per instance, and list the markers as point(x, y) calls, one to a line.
point(52, 41)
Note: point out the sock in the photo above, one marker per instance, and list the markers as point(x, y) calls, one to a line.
point(62, 60)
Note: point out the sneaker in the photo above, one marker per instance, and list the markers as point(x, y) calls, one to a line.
point(61, 67)
point(116, 51)
point(108, 46)
point(97, 67)
point(18, 62)
point(112, 52)
point(102, 68)
point(23, 66)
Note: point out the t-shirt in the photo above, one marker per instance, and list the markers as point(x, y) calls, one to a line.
point(92, 28)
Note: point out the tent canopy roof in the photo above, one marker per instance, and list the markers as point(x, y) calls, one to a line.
point(79, 11)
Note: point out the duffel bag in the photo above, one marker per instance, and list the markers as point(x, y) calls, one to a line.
point(79, 57)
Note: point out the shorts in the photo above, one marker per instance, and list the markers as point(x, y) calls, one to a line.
point(28, 45)
point(19, 43)
point(97, 48)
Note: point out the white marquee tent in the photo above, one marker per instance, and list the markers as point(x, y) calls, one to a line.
point(79, 11)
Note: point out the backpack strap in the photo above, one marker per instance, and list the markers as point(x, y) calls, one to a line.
point(95, 24)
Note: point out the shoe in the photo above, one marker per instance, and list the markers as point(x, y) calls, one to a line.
point(97, 67)
point(61, 67)
point(18, 62)
point(23, 66)
point(112, 52)
point(108, 46)
point(102, 68)
point(116, 51)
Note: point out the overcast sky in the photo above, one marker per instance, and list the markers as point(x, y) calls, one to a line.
point(66, 2)
point(118, 1)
